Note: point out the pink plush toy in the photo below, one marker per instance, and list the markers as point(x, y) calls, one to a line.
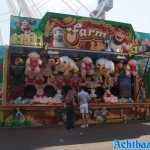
point(39, 80)
point(40, 97)
point(87, 67)
point(30, 78)
point(33, 63)
point(133, 64)
point(109, 98)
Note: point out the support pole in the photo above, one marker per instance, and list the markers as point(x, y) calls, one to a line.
point(143, 77)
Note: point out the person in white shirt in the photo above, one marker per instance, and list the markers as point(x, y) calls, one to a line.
point(84, 99)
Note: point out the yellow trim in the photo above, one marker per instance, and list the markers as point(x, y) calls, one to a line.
point(5, 75)
point(1, 116)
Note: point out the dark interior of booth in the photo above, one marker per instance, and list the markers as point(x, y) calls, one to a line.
point(16, 86)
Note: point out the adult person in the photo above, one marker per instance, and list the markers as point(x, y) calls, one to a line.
point(69, 100)
point(84, 98)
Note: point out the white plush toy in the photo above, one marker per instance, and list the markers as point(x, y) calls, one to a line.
point(107, 63)
point(93, 95)
point(58, 96)
point(69, 64)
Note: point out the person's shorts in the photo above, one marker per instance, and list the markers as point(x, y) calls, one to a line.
point(84, 109)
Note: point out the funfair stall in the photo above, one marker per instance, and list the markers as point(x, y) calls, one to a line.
point(48, 55)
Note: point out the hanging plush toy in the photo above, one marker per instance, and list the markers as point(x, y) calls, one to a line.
point(133, 65)
point(19, 61)
point(30, 78)
point(68, 64)
point(59, 67)
point(39, 80)
point(51, 67)
point(104, 67)
point(119, 67)
point(33, 63)
point(92, 94)
point(87, 67)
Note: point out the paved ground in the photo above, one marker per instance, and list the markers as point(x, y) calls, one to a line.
point(93, 138)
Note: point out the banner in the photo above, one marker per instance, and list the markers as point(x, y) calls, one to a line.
point(144, 40)
point(24, 31)
point(68, 31)
point(85, 33)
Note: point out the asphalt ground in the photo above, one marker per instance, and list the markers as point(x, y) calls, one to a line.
point(58, 138)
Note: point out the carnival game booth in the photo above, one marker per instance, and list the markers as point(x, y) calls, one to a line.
point(48, 55)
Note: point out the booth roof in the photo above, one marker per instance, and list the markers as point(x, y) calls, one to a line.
point(73, 53)
point(61, 16)
point(142, 35)
point(2, 48)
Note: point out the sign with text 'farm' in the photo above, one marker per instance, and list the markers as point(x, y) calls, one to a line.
point(85, 33)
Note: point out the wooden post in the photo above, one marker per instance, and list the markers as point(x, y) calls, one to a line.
point(1, 116)
point(147, 111)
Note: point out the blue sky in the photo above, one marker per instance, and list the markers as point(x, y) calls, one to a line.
point(135, 12)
